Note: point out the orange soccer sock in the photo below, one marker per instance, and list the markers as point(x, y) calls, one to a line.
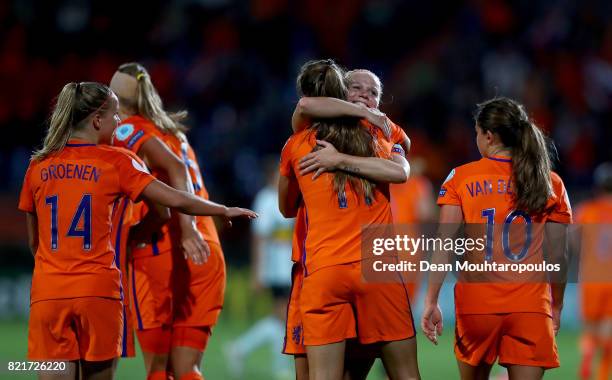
point(603, 372)
point(587, 348)
point(158, 375)
point(193, 375)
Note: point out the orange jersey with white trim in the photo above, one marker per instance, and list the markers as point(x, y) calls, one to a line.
point(333, 221)
point(483, 190)
point(72, 193)
point(131, 134)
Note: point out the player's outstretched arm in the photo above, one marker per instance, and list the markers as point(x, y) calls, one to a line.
point(309, 108)
point(188, 203)
point(394, 170)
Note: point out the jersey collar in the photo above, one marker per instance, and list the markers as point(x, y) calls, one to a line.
point(500, 158)
point(75, 143)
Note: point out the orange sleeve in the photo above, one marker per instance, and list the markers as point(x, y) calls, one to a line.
point(131, 135)
point(562, 211)
point(26, 198)
point(448, 192)
point(398, 137)
point(286, 170)
point(133, 175)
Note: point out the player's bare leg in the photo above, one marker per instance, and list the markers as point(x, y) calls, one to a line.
point(70, 373)
point(155, 363)
point(326, 362)
point(470, 372)
point(524, 372)
point(301, 367)
point(400, 359)
point(102, 370)
point(186, 360)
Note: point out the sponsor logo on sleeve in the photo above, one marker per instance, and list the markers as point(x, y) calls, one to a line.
point(135, 138)
point(442, 192)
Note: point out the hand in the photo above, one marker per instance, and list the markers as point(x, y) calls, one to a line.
point(431, 322)
point(234, 212)
point(321, 161)
point(379, 120)
point(556, 314)
point(194, 246)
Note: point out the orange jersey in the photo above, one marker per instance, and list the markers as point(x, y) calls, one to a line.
point(595, 217)
point(385, 146)
point(333, 221)
point(483, 190)
point(72, 194)
point(299, 234)
point(131, 134)
point(409, 198)
point(206, 224)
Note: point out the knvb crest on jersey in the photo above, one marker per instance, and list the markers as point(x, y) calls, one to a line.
point(297, 334)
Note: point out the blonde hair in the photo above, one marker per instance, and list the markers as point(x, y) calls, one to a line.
point(75, 103)
point(349, 75)
point(148, 102)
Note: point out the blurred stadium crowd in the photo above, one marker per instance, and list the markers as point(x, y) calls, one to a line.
point(232, 64)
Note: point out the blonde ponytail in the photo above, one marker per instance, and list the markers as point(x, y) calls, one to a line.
point(148, 103)
point(74, 104)
point(531, 164)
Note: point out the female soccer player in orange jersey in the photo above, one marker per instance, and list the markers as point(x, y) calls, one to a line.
point(363, 98)
point(334, 212)
point(595, 289)
point(197, 290)
point(512, 185)
point(141, 111)
point(68, 194)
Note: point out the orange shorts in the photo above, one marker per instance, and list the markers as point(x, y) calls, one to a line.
point(193, 337)
point(516, 338)
point(336, 304)
point(151, 294)
point(87, 328)
point(596, 300)
point(294, 337)
point(198, 290)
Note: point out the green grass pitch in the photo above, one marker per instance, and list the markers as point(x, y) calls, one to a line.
point(436, 362)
